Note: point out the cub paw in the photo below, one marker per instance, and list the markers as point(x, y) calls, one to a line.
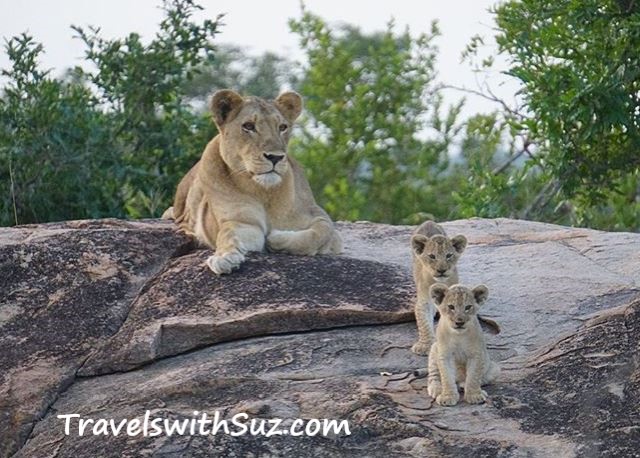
point(449, 399)
point(225, 263)
point(475, 397)
point(421, 348)
point(434, 389)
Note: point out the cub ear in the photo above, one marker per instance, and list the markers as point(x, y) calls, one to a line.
point(223, 104)
point(480, 293)
point(437, 292)
point(418, 242)
point(459, 243)
point(290, 105)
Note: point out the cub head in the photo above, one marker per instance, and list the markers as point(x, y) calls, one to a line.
point(254, 133)
point(458, 304)
point(438, 253)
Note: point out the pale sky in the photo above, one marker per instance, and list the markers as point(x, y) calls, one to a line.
point(262, 26)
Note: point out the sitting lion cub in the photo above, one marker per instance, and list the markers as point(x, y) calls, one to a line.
point(459, 353)
point(434, 260)
point(246, 190)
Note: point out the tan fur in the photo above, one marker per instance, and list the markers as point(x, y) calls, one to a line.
point(246, 189)
point(459, 354)
point(435, 257)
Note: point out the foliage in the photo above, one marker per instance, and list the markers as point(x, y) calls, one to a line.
point(47, 169)
point(579, 68)
point(133, 133)
point(141, 88)
point(368, 99)
point(261, 75)
point(114, 137)
point(485, 192)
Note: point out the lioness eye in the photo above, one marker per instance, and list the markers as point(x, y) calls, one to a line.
point(249, 127)
point(283, 127)
point(449, 255)
point(467, 308)
point(451, 307)
point(432, 256)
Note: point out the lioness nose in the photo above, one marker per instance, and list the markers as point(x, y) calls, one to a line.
point(459, 322)
point(274, 158)
point(442, 271)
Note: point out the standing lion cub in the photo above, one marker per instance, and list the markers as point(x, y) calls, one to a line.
point(459, 354)
point(247, 191)
point(435, 257)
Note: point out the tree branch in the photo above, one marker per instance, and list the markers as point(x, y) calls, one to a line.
point(491, 97)
point(542, 199)
point(512, 159)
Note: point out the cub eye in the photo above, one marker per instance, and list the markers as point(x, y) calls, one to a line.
point(467, 308)
point(249, 127)
point(432, 256)
point(283, 127)
point(449, 255)
point(452, 307)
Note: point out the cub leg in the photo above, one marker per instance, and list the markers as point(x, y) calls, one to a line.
point(434, 387)
point(473, 394)
point(424, 319)
point(233, 241)
point(449, 395)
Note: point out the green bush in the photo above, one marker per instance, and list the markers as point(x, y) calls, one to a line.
point(578, 65)
point(112, 141)
point(53, 146)
point(370, 100)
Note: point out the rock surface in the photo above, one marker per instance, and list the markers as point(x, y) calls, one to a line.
point(110, 319)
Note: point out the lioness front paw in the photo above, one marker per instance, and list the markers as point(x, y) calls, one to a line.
point(448, 399)
point(290, 242)
point(225, 263)
point(434, 389)
point(421, 348)
point(278, 240)
point(475, 397)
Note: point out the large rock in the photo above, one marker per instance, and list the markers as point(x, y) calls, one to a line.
point(65, 289)
point(111, 319)
point(189, 307)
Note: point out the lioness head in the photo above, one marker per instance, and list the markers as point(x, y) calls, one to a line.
point(438, 253)
point(458, 304)
point(255, 133)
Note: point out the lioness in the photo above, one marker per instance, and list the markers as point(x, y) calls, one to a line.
point(246, 188)
point(459, 353)
point(435, 257)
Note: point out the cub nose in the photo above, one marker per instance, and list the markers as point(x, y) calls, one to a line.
point(459, 323)
point(442, 271)
point(274, 158)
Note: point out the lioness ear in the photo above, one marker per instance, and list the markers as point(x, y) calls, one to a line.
point(437, 292)
point(480, 293)
point(290, 105)
point(418, 242)
point(459, 243)
point(223, 104)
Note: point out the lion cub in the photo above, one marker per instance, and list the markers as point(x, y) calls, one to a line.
point(434, 260)
point(459, 353)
